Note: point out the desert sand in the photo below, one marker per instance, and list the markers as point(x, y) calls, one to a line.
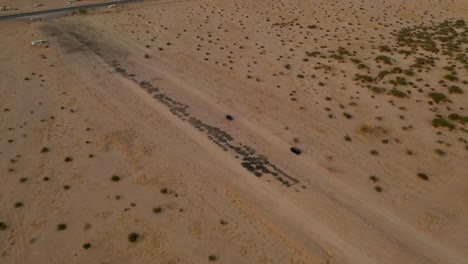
point(114, 146)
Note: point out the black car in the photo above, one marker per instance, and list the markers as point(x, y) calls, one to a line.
point(295, 150)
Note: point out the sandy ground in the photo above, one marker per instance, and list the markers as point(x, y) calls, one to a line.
point(119, 127)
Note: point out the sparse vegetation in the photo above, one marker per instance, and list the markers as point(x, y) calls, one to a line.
point(44, 150)
point(397, 93)
point(423, 176)
point(437, 97)
point(455, 90)
point(115, 178)
point(61, 227)
point(133, 237)
point(441, 122)
point(3, 226)
point(86, 245)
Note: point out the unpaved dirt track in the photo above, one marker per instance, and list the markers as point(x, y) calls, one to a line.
point(158, 122)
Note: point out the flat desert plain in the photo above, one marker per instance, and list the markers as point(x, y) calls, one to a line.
point(115, 146)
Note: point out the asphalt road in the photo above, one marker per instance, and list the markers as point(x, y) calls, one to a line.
point(65, 9)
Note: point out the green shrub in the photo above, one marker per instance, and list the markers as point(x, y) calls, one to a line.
point(377, 90)
point(384, 59)
point(397, 93)
point(440, 122)
point(61, 227)
point(455, 89)
point(408, 72)
point(457, 117)
point(385, 48)
point(83, 11)
point(451, 77)
point(437, 97)
point(363, 78)
point(212, 258)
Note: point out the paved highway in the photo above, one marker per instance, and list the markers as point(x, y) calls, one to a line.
point(65, 9)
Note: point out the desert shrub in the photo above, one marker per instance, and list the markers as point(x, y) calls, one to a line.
point(212, 258)
point(347, 138)
point(401, 81)
point(437, 97)
point(451, 77)
point(347, 115)
point(384, 59)
point(385, 48)
point(83, 11)
point(378, 189)
point(3, 226)
point(397, 93)
point(312, 53)
point(157, 210)
point(61, 227)
point(409, 72)
point(374, 152)
point(68, 159)
point(457, 117)
point(455, 89)
point(377, 90)
point(383, 73)
point(18, 204)
point(133, 237)
point(441, 122)
point(423, 176)
point(44, 150)
point(223, 222)
point(164, 190)
point(374, 178)
point(86, 245)
point(311, 26)
point(397, 70)
point(287, 66)
point(363, 78)
point(115, 178)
